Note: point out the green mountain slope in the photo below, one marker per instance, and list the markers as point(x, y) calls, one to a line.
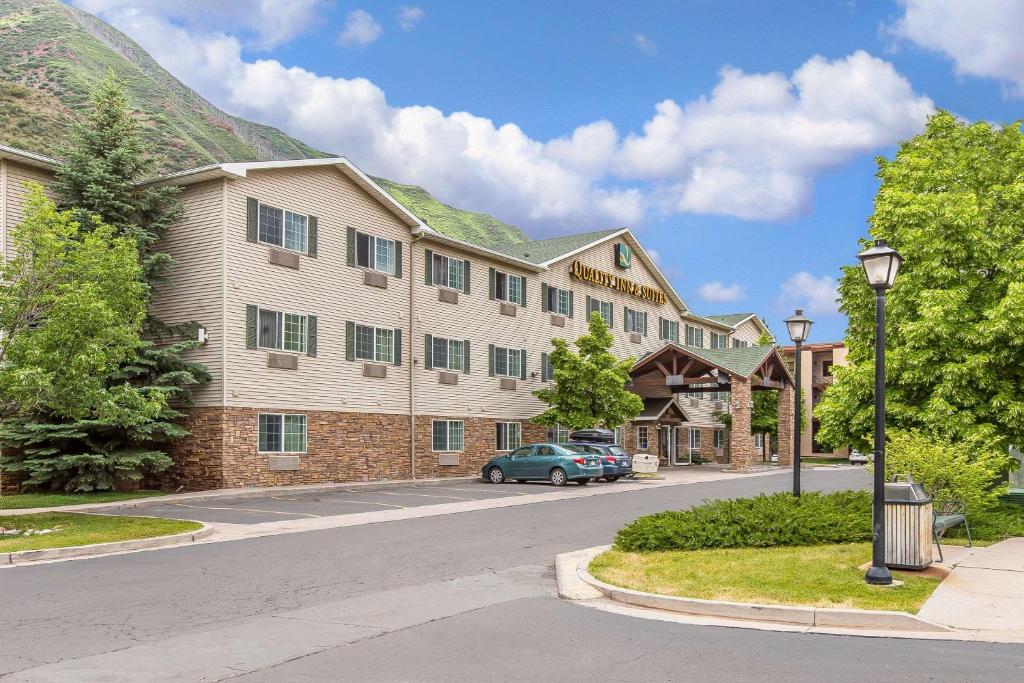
point(477, 228)
point(51, 55)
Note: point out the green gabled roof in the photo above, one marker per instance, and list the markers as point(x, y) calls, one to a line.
point(542, 251)
point(730, 319)
point(742, 361)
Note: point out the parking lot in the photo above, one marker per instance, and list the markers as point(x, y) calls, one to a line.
point(283, 505)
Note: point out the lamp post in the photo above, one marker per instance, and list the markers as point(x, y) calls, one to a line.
point(799, 328)
point(881, 262)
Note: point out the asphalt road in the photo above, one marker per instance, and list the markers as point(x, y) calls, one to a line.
point(451, 598)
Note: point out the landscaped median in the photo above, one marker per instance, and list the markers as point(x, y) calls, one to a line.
point(55, 535)
point(24, 501)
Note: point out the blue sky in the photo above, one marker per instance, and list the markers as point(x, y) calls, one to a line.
point(737, 138)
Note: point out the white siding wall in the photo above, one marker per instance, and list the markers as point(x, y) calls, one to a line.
point(324, 286)
point(747, 331)
point(194, 290)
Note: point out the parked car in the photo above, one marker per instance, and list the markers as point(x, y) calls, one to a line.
point(551, 462)
point(858, 458)
point(615, 462)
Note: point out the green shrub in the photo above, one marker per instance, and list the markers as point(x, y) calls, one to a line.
point(759, 522)
point(967, 471)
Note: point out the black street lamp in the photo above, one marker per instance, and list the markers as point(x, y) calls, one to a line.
point(881, 262)
point(799, 329)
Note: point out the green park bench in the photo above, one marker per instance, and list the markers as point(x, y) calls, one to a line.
point(947, 514)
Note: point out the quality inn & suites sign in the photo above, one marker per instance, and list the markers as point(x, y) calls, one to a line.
point(587, 273)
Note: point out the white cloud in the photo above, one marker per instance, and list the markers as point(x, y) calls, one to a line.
point(644, 43)
point(654, 254)
point(815, 295)
point(360, 29)
point(751, 148)
point(409, 16)
point(982, 37)
point(718, 292)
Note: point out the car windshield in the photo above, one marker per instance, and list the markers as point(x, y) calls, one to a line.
point(617, 450)
point(569, 449)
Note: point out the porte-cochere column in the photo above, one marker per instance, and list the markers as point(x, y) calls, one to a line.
point(741, 441)
point(786, 426)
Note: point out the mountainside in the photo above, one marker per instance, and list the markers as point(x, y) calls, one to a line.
point(51, 55)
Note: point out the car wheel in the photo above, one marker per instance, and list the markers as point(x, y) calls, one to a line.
point(557, 477)
point(611, 479)
point(495, 475)
point(583, 482)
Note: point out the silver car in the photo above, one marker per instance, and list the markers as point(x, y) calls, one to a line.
point(858, 458)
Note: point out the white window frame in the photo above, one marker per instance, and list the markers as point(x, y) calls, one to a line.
point(558, 434)
point(620, 436)
point(379, 353)
point(286, 218)
point(643, 439)
point(671, 330)
point(604, 308)
point(561, 299)
point(373, 253)
point(739, 343)
point(282, 324)
point(633, 320)
point(508, 352)
point(454, 353)
point(284, 431)
point(694, 440)
point(719, 438)
point(455, 434)
point(722, 340)
point(512, 436)
point(698, 336)
point(443, 276)
point(509, 278)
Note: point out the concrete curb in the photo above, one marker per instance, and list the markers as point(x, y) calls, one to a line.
point(247, 492)
point(810, 617)
point(25, 557)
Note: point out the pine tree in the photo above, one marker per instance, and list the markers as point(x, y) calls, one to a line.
point(99, 180)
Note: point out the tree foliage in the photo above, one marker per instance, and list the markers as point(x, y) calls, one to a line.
point(590, 385)
point(952, 203)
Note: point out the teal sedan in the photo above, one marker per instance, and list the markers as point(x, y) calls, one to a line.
point(544, 462)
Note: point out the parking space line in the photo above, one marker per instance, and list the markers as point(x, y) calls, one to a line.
point(269, 512)
point(422, 495)
point(364, 502)
point(495, 492)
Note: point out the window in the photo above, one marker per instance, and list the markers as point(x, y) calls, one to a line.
point(283, 228)
point(619, 435)
point(448, 272)
point(670, 330)
point(549, 369)
point(282, 331)
point(739, 344)
point(694, 441)
point(282, 433)
point(759, 440)
point(602, 307)
point(719, 341)
point(375, 253)
point(449, 435)
point(559, 301)
point(642, 439)
point(694, 336)
point(720, 395)
point(375, 344)
point(447, 354)
point(509, 435)
point(558, 434)
point(509, 287)
point(508, 362)
point(719, 438)
point(635, 321)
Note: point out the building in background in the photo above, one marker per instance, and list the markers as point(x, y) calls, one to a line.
point(816, 361)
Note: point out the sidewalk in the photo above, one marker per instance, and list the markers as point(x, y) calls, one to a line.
point(984, 592)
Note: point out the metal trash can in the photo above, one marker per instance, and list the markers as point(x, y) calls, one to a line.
point(908, 524)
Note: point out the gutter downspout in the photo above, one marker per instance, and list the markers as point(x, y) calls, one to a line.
point(412, 357)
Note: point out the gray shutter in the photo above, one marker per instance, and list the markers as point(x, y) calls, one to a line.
point(252, 219)
point(398, 259)
point(570, 303)
point(350, 246)
point(465, 277)
point(661, 327)
point(490, 360)
point(428, 270)
point(398, 346)
point(428, 351)
point(490, 287)
point(311, 335)
point(311, 236)
point(543, 297)
point(522, 290)
point(465, 356)
point(250, 326)
point(590, 306)
point(522, 363)
point(611, 315)
point(544, 367)
point(350, 340)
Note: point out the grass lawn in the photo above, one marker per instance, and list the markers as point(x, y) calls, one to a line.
point(80, 529)
point(823, 461)
point(46, 500)
point(819, 576)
